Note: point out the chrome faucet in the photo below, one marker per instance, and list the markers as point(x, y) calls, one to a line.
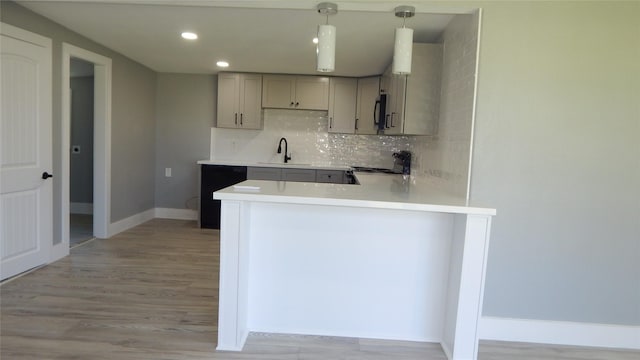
point(286, 158)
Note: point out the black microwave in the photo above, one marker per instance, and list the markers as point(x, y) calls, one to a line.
point(379, 112)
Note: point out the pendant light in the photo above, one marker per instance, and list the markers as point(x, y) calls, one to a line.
point(403, 46)
point(326, 48)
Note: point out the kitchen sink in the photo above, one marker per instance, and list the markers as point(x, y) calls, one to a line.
point(283, 164)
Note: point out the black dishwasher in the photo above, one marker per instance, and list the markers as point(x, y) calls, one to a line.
point(214, 178)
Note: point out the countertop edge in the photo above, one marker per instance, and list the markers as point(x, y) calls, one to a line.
point(362, 203)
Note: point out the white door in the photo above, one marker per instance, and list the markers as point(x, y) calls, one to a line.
point(25, 151)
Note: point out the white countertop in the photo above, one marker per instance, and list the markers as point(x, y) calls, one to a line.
point(293, 165)
point(375, 191)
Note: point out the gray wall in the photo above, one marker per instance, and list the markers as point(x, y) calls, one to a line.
point(557, 153)
point(185, 108)
point(133, 141)
point(133, 106)
point(81, 164)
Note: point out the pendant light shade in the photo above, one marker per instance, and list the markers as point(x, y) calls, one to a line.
point(402, 51)
point(403, 46)
point(326, 48)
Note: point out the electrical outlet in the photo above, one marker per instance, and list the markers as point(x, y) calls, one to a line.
point(167, 172)
point(75, 149)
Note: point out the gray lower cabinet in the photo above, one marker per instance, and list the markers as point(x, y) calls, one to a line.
point(264, 173)
point(330, 176)
point(305, 175)
point(294, 174)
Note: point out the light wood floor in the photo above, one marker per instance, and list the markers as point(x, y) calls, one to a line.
point(152, 293)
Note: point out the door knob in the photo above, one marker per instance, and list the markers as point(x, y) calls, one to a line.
point(46, 175)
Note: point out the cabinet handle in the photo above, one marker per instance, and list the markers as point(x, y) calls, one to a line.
point(240, 119)
point(297, 103)
point(386, 121)
point(330, 122)
point(392, 116)
point(356, 124)
point(291, 104)
point(236, 119)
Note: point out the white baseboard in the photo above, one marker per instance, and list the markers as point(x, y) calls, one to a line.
point(560, 333)
point(163, 213)
point(132, 221)
point(81, 208)
point(177, 214)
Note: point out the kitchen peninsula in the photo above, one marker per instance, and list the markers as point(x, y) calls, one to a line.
point(388, 259)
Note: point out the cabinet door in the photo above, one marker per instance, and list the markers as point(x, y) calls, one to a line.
point(250, 101)
point(386, 87)
point(264, 173)
point(342, 105)
point(278, 91)
point(396, 111)
point(368, 91)
point(228, 102)
point(305, 175)
point(312, 93)
point(214, 178)
point(422, 100)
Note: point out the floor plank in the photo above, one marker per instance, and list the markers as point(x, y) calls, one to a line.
point(152, 293)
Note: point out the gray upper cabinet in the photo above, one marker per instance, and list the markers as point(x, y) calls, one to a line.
point(295, 92)
point(342, 105)
point(239, 101)
point(395, 90)
point(368, 91)
point(413, 102)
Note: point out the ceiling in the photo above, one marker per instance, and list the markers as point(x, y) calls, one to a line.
point(253, 36)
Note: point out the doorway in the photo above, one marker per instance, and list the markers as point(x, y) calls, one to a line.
point(81, 159)
point(101, 172)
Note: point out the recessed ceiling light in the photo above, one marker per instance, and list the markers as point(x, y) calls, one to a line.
point(189, 35)
point(222, 63)
point(315, 40)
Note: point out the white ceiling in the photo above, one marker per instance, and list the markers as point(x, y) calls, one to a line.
point(254, 36)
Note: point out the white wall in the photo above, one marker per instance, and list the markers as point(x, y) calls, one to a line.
point(447, 155)
point(557, 149)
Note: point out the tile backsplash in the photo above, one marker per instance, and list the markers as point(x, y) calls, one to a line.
point(447, 156)
point(309, 142)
